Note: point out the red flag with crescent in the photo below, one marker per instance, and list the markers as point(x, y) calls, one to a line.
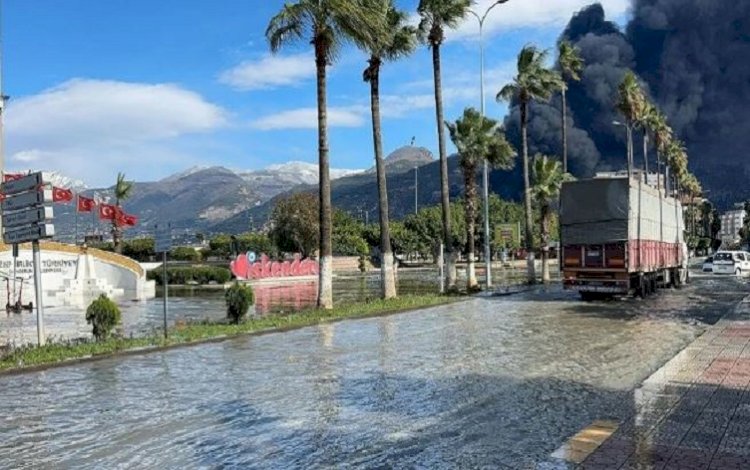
point(85, 204)
point(61, 194)
point(107, 212)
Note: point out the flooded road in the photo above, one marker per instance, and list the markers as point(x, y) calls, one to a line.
point(194, 305)
point(499, 382)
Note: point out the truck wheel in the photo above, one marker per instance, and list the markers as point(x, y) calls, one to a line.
point(641, 290)
point(588, 296)
point(738, 272)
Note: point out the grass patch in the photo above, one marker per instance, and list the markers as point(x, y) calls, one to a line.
point(51, 353)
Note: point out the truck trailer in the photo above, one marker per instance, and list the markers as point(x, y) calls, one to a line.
point(620, 236)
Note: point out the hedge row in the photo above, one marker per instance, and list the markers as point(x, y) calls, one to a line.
point(191, 274)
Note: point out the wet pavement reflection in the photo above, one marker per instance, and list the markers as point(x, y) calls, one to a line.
point(498, 382)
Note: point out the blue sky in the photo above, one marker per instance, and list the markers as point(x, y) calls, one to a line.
point(153, 87)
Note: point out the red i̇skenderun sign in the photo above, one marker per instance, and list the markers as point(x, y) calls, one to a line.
point(264, 268)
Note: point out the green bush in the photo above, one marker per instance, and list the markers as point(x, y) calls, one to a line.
point(190, 274)
point(104, 315)
point(239, 298)
point(184, 253)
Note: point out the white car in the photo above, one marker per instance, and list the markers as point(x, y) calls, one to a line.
point(708, 265)
point(732, 262)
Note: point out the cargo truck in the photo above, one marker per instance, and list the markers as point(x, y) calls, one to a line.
point(620, 236)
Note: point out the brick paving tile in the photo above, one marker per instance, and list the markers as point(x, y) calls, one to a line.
point(728, 461)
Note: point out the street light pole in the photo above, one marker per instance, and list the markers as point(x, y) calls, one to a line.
point(416, 192)
point(485, 166)
point(629, 145)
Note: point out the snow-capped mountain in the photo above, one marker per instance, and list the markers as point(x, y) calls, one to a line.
point(275, 179)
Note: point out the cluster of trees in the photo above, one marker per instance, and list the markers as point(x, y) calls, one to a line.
point(384, 34)
point(417, 236)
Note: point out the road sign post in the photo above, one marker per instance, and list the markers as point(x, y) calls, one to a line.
point(163, 243)
point(26, 218)
point(41, 339)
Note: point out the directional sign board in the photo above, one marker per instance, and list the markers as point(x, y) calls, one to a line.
point(29, 233)
point(163, 239)
point(27, 217)
point(28, 199)
point(26, 183)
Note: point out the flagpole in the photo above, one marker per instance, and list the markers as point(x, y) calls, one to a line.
point(75, 242)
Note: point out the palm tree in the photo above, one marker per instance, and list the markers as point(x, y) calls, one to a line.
point(662, 134)
point(548, 178)
point(534, 82)
point(397, 40)
point(630, 104)
point(646, 117)
point(571, 64)
point(326, 24)
point(123, 191)
point(477, 139)
point(437, 15)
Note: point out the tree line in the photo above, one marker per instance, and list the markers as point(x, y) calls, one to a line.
point(382, 31)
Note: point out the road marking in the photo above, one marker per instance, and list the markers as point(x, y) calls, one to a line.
point(586, 441)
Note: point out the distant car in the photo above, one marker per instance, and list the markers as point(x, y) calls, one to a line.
point(731, 262)
point(708, 265)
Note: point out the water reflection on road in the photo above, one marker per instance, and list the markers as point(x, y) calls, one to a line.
point(190, 305)
point(496, 382)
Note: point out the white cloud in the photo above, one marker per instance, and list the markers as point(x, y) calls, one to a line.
point(529, 14)
point(270, 72)
point(307, 118)
point(458, 88)
point(90, 129)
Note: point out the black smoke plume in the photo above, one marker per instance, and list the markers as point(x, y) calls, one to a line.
point(694, 59)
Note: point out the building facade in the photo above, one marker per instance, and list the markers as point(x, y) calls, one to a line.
point(731, 223)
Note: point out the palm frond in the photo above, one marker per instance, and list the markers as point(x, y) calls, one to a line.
point(288, 25)
point(569, 60)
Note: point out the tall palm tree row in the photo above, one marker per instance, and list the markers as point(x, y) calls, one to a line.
point(570, 63)
point(326, 24)
point(630, 103)
point(123, 190)
point(436, 16)
point(477, 139)
point(661, 134)
point(548, 179)
point(396, 40)
point(533, 82)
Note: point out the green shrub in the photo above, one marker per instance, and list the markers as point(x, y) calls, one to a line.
point(104, 315)
point(185, 253)
point(189, 274)
point(239, 298)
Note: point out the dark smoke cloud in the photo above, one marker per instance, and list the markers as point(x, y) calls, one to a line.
point(694, 59)
point(695, 55)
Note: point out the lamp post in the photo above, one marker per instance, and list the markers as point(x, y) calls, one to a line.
point(485, 166)
point(629, 145)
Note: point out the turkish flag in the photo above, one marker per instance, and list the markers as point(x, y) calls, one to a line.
point(61, 194)
point(129, 220)
point(107, 211)
point(12, 176)
point(85, 204)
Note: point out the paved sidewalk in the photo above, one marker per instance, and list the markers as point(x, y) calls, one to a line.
point(694, 413)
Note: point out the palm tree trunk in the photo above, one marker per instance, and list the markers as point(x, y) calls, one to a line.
point(564, 131)
point(645, 153)
point(545, 243)
point(630, 150)
point(387, 276)
point(531, 272)
point(116, 235)
point(444, 188)
point(470, 185)
point(325, 273)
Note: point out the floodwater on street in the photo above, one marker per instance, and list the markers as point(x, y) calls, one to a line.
point(496, 382)
point(195, 305)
